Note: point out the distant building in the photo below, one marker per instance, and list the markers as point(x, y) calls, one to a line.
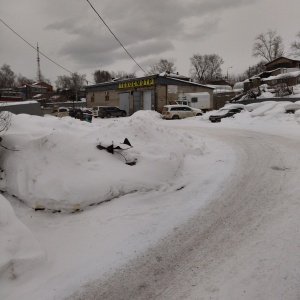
point(145, 93)
point(223, 92)
point(39, 91)
point(279, 70)
point(11, 95)
point(282, 63)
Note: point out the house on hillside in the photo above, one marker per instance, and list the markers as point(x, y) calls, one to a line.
point(145, 93)
point(39, 91)
point(11, 95)
point(282, 63)
point(36, 88)
point(278, 71)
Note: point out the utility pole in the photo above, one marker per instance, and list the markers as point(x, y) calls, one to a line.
point(39, 74)
point(227, 71)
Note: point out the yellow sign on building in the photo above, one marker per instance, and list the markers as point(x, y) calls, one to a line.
point(136, 83)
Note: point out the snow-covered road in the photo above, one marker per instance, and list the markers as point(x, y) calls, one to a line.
point(243, 245)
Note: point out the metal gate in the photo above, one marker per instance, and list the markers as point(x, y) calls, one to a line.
point(147, 99)
point(124, 102)
point(136, 101)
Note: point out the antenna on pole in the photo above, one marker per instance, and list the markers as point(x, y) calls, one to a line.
point(39, 74)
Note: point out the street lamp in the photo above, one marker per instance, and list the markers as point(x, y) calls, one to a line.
point(227, 71)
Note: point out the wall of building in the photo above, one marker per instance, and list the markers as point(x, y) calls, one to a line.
point(166, 96)
point(102, 98)
point(162, 94)
point(282, 62)
point(30, 108)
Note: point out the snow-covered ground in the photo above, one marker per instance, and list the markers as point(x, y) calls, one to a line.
point(70, 212)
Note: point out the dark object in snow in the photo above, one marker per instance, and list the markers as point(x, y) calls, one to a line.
point(111, 149)
point(126, 142)
point(39, 208)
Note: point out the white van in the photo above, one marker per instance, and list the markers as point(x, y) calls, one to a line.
point(197, 100)
point(96, 111)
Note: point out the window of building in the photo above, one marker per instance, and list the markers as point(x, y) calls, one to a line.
point(106, 96)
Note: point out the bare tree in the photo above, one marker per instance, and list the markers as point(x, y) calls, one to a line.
point(255, 69)
point(122, 75)
point(7, 77)
point(21, 80)
point(268, 45)
point(101, 76)
point(295, 47)
point(162, 66)
point(215, 70)
point(206, 67)
point(73, 82)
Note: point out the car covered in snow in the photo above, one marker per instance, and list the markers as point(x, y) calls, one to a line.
point(292, 108)
point(225, 112)
point(180, 112)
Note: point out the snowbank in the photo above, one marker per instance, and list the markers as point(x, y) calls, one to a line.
point(20, 252)
point(57, 166)
point(62, 155)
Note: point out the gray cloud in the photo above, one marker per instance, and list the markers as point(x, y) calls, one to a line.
point(145, 28)
point(71, 33)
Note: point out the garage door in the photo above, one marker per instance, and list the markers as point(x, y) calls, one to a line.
point(147, 99)
point(124, 101)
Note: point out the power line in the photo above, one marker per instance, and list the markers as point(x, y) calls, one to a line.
point(36, 49)
point(115, 37)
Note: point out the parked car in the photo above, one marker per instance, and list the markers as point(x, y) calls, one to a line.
point(81, 114)
point(180, 112)
point(96, 110)
point(224, 113)
point(62, 112)
point(87, 111)
point(110, 111)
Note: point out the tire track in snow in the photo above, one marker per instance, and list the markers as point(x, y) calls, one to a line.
point(227, 250)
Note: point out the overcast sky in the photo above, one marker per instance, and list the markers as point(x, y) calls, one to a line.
point(70, 33)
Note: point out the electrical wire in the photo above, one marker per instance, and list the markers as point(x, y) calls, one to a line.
point(115, 36)
point(39, 50)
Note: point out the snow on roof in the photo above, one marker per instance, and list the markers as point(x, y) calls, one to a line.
point(173, 75)
point(17, 103)
point(284, 75)
point(220, 88)
point(238, 85)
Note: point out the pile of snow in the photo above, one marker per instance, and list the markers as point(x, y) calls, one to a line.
point(238, 87)
point(282, 76)
point(62, 155)
point(58, 167)
point(20, 252)
point(55, 165)
point(259, 109)
point(296, 89)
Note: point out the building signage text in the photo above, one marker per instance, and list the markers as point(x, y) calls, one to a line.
point(136, 83)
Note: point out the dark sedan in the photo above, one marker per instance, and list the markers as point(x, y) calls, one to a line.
point(224, 113)
point(111, 111)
